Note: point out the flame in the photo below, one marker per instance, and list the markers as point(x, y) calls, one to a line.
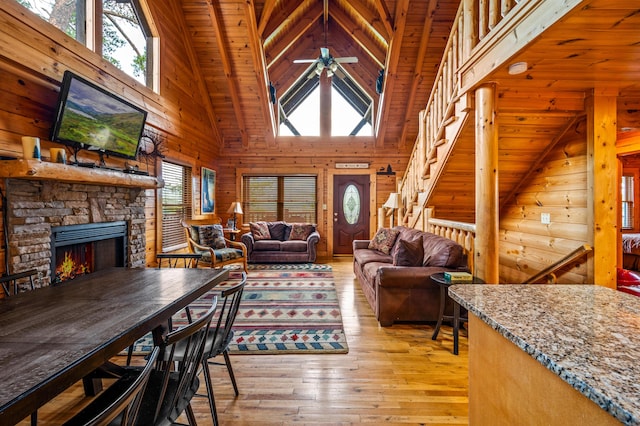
point(69, 268)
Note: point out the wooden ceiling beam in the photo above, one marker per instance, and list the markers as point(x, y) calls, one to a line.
point(385, 16)
point(370, 18)
point(284, 72)
point(267, 10)
point(260, 69)
point(214, 15)
point(360, 37)
point(197, 73)
point(365, 71)
point(391, 67)
point(417, 73)
point(282, 16)
point(275, 51)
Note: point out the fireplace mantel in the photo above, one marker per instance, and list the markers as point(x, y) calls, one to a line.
point(42, 170)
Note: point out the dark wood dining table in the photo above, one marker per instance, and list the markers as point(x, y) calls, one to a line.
point(50, 338)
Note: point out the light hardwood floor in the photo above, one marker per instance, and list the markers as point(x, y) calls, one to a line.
point(392, 375)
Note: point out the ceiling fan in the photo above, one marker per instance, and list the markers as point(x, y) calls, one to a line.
point(328, 62)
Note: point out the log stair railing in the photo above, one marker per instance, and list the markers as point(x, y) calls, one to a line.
point(447, 109)
point(460, 232)
point(549, 273)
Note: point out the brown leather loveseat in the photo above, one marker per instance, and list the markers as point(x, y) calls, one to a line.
point(404, 292)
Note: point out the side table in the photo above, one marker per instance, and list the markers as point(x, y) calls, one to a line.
point(232, 233)
point(439, 279)
point(189, 260)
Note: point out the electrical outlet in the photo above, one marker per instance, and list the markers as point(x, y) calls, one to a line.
point(545, 218)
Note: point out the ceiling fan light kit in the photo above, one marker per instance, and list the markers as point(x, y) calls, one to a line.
point(327, 61)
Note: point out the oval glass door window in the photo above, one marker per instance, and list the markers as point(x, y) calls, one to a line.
point(351, 204)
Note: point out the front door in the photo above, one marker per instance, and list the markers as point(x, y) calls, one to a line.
point(350, 211)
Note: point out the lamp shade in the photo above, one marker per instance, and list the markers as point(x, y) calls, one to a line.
point(235, 208)
point(393, 202)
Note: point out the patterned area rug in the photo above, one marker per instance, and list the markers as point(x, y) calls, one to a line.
point(285, 309)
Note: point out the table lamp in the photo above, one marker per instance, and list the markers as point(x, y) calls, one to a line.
point(392, 203)
point(236, 209)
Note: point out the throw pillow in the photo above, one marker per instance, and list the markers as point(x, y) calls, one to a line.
point(408, 253)
point(384, 239)
point(211, 236)
point(300, 231)
point(276, 230)
point(260, 230)
point(287, 232)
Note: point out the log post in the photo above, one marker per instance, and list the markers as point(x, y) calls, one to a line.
point(487, 203)
point(603, 187)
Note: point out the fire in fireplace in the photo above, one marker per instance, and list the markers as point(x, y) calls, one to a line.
point(81, 249)
point(73, 261)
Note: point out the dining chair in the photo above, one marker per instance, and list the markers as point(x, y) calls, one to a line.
point(175, 381)
point(120, 402)
point(220, 337)
point(12, 280)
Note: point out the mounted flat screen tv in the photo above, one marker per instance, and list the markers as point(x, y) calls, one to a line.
point(89, 117)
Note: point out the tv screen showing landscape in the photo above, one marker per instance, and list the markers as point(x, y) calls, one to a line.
point(89, 117)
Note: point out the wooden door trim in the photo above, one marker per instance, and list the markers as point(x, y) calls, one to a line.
point(330, 191)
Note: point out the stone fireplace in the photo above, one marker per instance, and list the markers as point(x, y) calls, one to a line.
point(44, 216)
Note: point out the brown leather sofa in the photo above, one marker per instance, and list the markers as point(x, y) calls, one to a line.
point(406, 293)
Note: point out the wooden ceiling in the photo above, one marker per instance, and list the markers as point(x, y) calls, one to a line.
point(239, 46)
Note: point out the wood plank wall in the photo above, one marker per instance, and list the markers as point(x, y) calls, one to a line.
point(631, 166)
point(558, 187)
point(34, 55)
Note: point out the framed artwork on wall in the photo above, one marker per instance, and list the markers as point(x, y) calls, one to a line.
point(208, 190)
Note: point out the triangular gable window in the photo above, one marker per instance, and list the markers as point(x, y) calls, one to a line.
point(350, 107)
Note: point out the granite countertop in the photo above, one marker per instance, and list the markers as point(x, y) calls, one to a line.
point(587, 335)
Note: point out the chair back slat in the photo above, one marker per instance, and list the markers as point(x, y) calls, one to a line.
point(181, 354)
point(118, 404)
point(223, 330)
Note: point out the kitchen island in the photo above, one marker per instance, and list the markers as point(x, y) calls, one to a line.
point(552, 354)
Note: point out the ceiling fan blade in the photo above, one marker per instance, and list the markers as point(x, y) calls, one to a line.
point(341, 75)
point(347, 60)
point(304, 61)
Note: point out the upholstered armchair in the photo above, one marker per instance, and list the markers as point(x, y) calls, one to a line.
point(207, 239)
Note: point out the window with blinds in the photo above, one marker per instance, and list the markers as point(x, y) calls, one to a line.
point(176, 204)
point(291, 198)
point(627, 201)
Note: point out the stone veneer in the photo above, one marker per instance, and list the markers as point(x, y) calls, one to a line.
point(35, 206)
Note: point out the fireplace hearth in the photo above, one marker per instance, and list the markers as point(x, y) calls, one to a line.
point(82, 249)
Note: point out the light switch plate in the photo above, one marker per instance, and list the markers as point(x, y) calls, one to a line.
point(545, 218)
